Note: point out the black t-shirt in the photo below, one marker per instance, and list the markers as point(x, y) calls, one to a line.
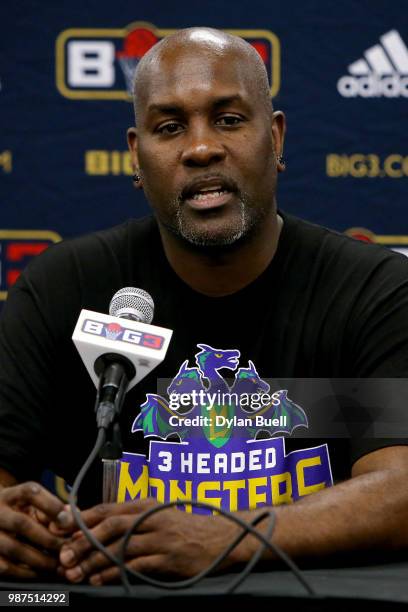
point(326, 306)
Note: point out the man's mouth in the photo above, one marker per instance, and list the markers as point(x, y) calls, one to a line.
point(207, 194)
point(212, 195)
point(209, 200)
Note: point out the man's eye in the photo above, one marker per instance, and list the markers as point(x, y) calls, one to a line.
point(229, 120)
point(169, 128)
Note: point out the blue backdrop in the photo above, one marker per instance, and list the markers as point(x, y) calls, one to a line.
point(338, 70)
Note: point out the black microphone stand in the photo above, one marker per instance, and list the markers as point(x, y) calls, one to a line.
point(113, 381)
point(111, 454)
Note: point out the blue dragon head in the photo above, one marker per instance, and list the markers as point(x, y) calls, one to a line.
point(210, 360)
point(247, 380)
point(186, 380)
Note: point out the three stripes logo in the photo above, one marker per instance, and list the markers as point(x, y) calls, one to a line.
point(383, 72)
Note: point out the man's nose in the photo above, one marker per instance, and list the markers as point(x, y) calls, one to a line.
point(202, 148)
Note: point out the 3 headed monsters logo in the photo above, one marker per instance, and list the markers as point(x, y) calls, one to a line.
point(100, 63)
point(218, 403)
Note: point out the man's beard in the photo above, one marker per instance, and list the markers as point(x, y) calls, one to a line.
point(234, 232)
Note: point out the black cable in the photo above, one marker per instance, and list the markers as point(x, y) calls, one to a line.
point(242, 576)
point(195, 579)
point(100, 441)
point(120, 561)
point(246, 529)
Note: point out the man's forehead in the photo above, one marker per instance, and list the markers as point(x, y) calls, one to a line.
point(211, 74)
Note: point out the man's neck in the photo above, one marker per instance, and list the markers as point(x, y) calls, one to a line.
point(223, 273)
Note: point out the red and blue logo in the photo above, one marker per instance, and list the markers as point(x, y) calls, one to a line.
point(98, 64)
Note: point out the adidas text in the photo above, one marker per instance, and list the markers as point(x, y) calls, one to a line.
point(373, 86)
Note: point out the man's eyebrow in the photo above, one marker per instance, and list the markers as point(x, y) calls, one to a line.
point(173, 108)
point(166, 109)
point(225, 100)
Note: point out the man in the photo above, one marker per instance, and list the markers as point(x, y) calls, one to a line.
point(226, 269)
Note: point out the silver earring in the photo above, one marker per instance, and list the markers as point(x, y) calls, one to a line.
point(136, 178)
point(280, 159)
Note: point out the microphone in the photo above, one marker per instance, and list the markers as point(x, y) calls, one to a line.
point(115, 370)
point(134, 304)
point(120, 349)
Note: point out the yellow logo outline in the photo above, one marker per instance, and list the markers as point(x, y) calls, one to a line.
point(385, 239)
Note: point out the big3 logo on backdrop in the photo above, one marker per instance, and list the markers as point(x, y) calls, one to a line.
point(98, 64)
point(398, 243)
point(17, 247)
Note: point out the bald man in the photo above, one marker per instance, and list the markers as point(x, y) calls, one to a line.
point(286, 297)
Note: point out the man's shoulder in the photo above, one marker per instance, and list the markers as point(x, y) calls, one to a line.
point(115, 237)
point(97, 249)
point(85, 271)
point(333, 250)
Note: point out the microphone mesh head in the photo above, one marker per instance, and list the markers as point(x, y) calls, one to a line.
point(132, 303)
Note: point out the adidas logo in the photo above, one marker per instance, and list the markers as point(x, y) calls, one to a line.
point(383, 72)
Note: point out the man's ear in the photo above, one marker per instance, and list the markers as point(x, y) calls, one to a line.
point(132, 144)
point(278, 135)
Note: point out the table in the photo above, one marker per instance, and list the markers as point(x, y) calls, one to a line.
point(379, 587)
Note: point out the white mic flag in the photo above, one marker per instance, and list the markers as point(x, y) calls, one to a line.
point(98, 335)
